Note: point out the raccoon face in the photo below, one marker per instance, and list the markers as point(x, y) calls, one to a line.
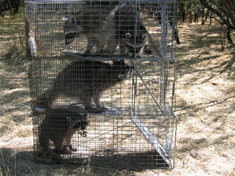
point(71, 29)
point(77, 123)
point(136, 45)
point(81, 125)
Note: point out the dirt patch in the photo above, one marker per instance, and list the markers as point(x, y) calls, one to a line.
point(205, 102)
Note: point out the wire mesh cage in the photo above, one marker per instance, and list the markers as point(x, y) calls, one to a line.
point(102, 81)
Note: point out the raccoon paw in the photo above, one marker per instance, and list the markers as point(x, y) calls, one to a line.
point(83, 133)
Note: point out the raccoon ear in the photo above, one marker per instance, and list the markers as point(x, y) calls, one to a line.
point(72, 20)
point(128, 35)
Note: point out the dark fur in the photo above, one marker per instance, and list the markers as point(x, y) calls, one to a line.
point(85, 80)
point(132, 32)
point(98, 24)
point(59, 125)
point(109, 25)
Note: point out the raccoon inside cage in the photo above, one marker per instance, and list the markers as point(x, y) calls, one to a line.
point(102, 81)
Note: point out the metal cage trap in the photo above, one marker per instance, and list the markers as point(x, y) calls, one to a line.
point(102, 81)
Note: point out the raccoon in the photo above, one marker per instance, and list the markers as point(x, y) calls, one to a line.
point(131, 31)
point(97, 24)
point(58, 125)
point(86, 80)
point(109, 27)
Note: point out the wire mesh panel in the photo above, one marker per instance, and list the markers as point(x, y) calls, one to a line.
point(136, 27)
point(102, 81)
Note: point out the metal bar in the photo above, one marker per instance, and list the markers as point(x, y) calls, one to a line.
point(151, 138)
point(72, 1)
point(159, 56)
point(138, 73)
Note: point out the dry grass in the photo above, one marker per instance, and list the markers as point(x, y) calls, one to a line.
point(205, 102)
point(205, 97)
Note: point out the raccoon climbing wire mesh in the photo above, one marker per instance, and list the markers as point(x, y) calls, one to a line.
point(102, 81)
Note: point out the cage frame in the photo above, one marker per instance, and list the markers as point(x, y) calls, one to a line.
point(161, 57)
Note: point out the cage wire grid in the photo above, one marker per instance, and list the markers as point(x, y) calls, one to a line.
point(102, 82)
